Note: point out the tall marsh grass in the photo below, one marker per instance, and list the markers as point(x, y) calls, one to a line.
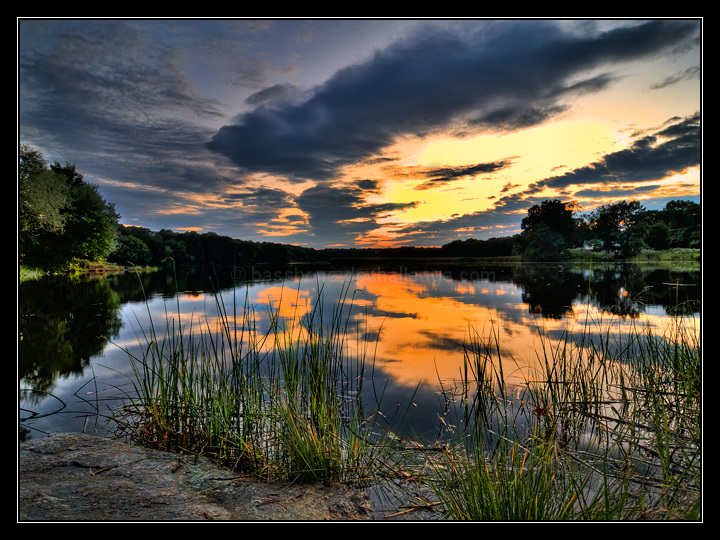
point(609, 428)
point(284, 402)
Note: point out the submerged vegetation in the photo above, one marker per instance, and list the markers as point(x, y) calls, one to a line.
point(609, 428)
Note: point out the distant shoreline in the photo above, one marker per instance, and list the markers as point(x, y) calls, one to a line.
point(678, 255)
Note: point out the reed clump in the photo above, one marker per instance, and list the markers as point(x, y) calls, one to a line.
point(283, 401)
point(609, 428)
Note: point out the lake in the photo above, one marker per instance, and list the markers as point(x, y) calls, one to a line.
point(412, 320)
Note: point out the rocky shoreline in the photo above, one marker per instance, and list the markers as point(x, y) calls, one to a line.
point(76, 477)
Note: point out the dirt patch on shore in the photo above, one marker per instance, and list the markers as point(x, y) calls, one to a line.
point(76, 477)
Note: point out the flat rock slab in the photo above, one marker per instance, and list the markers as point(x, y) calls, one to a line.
point(76, 477)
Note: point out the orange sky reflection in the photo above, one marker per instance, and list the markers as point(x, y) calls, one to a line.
point(426, 319)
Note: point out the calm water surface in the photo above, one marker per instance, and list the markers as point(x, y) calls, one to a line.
point(414, 322)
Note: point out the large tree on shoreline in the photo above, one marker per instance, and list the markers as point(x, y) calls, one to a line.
point(619, 226)
point(548, 230)
point(61, 217)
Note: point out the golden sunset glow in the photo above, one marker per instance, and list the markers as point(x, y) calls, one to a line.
point(534, 154)
point(286, 303)
point(426, 343)
point(453, 267)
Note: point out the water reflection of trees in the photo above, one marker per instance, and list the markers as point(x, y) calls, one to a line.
point(549, 290)
point(62, 323)
point(624, 290)
point(627, 290)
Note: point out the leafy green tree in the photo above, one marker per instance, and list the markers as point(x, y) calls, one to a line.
point(658, 236)
point(42, 195)
point(544, 244)
point(131, 250)
point(91, 223)
point(31, 161)
point(61, 217)
point(41, 199)
point(684, 218)
point(619, 226)
point(549, 229)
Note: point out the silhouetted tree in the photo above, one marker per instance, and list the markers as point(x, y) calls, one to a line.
point(549, 229)
point(658, 236)
point(620, 226)
point(684, 219)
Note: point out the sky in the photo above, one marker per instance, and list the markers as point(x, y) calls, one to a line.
point(364, 132)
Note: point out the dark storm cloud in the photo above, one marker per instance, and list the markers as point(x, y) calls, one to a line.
point(626, 192)
point(260, 205)
point(369, 185)
point(263, 198)
point(673, 149)
point(520, 116)
point(509, 73)
point(339, 214)
point(105, 97)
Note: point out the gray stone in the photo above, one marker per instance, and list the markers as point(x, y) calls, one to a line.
point(76, 477)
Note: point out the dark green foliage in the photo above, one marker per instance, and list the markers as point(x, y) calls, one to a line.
point(684, 220)
point(90, 224)
point(142, 247)
point(41, 198)
point(619, 226)
point(544, 244)
point(658, 236)
point(623, 228)
point(549, 229)
point(61, 218)
point(131, 250)
point(472, 247)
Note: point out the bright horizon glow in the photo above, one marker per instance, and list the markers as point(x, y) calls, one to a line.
point(535, 154)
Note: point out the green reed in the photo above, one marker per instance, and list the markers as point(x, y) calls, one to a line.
point(285, 402)
point(609, 428)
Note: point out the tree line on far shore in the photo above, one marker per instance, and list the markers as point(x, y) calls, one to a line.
point(63, 220)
